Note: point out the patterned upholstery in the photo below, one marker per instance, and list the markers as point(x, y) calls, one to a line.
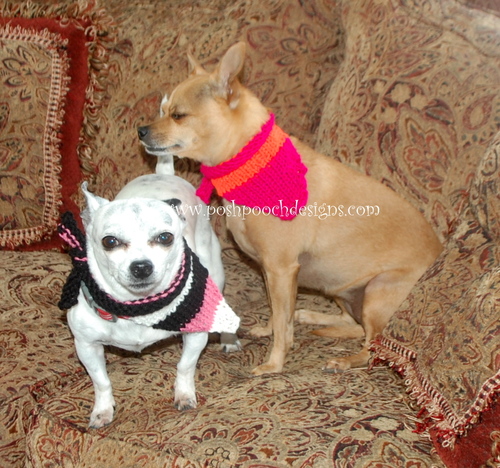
point(378, 84)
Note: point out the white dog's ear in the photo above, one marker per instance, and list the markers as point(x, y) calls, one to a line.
point(176, 204)
point(93, 202)
point(228, 70)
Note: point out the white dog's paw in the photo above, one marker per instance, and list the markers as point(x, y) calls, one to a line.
point(101, 417)
point(229, 342)
point(185, 402)
point(231, 347)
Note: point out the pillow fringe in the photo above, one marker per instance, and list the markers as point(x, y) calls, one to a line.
point(436, 412)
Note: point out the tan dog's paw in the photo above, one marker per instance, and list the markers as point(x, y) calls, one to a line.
point(267, 368)
point(341, 364)
point(259, 332)
point(304, 316)
point(337, 365)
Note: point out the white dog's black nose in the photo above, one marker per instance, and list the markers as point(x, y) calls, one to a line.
point(141, 269)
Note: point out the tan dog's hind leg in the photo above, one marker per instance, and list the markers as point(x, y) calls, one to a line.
point(338, 325)
point(383, 295)
point(281, 282)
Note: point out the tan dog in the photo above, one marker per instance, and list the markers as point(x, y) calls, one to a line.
point(368, 260)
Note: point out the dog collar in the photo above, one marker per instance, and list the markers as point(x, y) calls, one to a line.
point(267, 174)
point(98, 310)
point(191, 303)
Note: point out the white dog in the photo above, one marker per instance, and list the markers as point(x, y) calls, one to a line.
point(137, 273)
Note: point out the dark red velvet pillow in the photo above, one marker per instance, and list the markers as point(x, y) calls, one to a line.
point(49, 82)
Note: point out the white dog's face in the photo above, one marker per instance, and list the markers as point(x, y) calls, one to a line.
point(134, 246)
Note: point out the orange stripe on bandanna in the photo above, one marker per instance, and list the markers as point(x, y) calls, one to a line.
point(253, 166)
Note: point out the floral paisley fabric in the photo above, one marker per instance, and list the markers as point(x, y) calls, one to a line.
point(378, 84)
point(451, 360)
point(303, 417)
point(413, 116)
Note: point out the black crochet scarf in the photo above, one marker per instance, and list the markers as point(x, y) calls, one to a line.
point(185, 311)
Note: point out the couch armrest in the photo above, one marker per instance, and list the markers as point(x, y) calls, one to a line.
point(445, 337)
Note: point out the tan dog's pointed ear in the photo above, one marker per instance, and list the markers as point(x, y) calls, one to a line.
point(194, 67)
point(228, 70)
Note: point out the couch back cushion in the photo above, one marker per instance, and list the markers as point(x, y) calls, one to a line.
point(485, 192)
point(417, 99)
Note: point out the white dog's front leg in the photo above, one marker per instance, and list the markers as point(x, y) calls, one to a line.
point(92, 357)
point(185, 392)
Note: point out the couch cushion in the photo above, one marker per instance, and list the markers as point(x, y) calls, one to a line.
point(302, 417)
point(481, 441)
point(53, 69)
point(416, 101)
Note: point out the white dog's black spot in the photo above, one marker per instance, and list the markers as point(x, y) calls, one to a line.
point(175, 203)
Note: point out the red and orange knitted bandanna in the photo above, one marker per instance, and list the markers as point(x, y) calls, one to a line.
point(267, 174)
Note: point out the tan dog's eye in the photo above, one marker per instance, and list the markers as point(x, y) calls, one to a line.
point(111, 242)
point(165, 239)
point(178, 116)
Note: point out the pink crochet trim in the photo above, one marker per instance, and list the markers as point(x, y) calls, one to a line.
point(267, 174)
point(212, 302)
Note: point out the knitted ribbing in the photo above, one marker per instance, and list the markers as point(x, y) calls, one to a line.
point(191, 303)
point(267, 174)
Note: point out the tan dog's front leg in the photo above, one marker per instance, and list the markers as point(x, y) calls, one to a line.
point(281, 285)
point(267, 329)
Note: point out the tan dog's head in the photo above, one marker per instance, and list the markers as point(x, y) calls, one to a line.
point(208, 117)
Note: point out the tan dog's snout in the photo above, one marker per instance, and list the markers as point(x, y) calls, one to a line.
point(152, 141)
point(144, 133)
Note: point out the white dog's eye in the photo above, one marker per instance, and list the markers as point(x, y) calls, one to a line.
point(110, 242)
point(165, 239)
